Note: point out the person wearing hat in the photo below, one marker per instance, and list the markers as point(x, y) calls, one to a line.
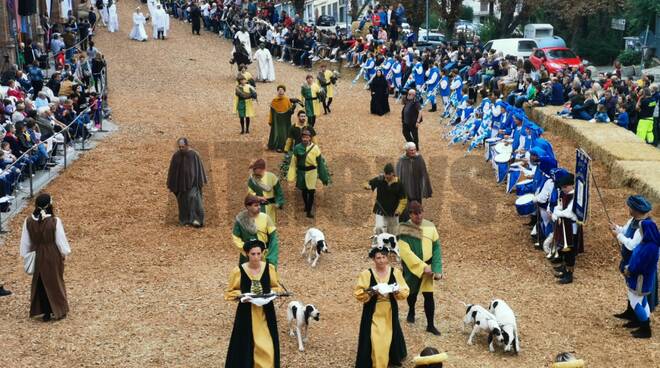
point(265, 68)
point(186, 178)
point(327, 80)
point(252, 224)
point(567, 232)
point(311, 93)
point(295, 132)
point(567, 360)
point(266, 186)
point(380, 342)
point(629, 236)
point(243, 104)
point(390, 200)
point(421, 255)
point(306, 167)
point(43, 234)
point(281, 109)
point(430, 358)
point(254, 339)
point(641, 274)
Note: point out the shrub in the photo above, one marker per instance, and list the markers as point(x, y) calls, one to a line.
point(630, 57)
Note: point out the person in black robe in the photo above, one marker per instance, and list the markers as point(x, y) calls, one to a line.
point(195, 18)
point(185, 179)
point(379, 94)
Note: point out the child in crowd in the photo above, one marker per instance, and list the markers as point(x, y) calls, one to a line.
point(622, 118)
point(601, 115)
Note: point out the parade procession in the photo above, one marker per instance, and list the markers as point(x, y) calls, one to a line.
point(329, 183)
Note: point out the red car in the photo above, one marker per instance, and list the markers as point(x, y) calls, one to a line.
point(555, 59)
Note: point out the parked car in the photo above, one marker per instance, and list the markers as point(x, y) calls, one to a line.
point(433, 38)
point(326, 23)
point(518, 47)
point(555, 59)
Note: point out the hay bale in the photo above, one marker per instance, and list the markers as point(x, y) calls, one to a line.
point(643, 176)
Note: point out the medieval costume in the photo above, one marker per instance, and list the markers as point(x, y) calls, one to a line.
point(381, 342)
point(327, 80)
point(295, 135)
point(419, 247)
point(138, 33)
point(243, 106)
point(567, 232)
point(307, 165)
point(265, 68)
point(160, 21)
point(244, 38)
point(254, 341)
point(113, 20)
point(641, 276)
point(629, 237)
point(311, 94)
point(240, 56)
point(411, 170)
point(195, 18)
point(379, 94)
point(44, 235)
point(260, 227)
point(267, 187)
point(430, 358)
point(281, 109)
point(185, 179)
point(390, 201)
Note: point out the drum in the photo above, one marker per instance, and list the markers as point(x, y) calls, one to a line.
point(525, 187)
point(525, 205)
point(502, 163)
point(490, 142)
point(512, 177)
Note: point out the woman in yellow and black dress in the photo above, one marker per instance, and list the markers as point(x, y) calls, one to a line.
point(381, 341)
point(254, 341)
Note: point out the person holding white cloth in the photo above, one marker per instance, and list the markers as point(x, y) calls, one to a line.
point(160, 22)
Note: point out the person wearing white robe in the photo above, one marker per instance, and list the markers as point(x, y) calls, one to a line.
point(104, 13)
point(138, 33)
point(244, 37)
point(151, 4)
point(113, 19)
point(265, 68)
point(160, 21)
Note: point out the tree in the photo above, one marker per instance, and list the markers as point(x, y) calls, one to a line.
point(299, 5)
point(415, 13)
point(467, 13)
point(450, 10)
point(513, 13)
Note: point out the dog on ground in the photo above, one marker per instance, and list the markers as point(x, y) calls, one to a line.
point(481, 320)
point(508, 326)
point(298, 315)
point(314, 245)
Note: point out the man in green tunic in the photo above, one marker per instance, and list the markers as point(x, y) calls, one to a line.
point(421, 256)
point(312, 95)
point(306, 167)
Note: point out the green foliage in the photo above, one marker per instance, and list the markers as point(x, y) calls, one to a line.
point(467, 13)
point(630, 57)
point(639, 14)
point(489, 30)
point(598, 49)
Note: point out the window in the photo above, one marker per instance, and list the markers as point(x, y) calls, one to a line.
point(342, 14)
point(561, 54)
point(488, 46)
point(483, 5)
point(335, 13)
point(539, 54)
point(525, 46)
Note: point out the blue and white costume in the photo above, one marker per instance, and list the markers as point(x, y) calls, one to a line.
point(397, 75)
point(369, 68)
point(432, 82)
point(418, 75)
point(642, 272)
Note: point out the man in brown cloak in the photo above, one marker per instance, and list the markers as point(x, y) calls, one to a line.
point(186, 179)
point(411, 170)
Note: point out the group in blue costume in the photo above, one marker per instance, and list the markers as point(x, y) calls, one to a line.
point(640, 242)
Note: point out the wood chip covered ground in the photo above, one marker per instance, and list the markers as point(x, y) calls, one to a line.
point(145, 292)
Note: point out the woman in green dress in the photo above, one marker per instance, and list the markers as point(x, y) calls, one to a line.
point(281, 110)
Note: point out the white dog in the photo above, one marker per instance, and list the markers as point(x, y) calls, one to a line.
point(314, 245)
point(298, 315)
point(481, 320)
point(508, 326)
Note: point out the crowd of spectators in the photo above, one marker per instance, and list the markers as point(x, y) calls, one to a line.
point(53, 96)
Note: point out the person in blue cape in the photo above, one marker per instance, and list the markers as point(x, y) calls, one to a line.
point(641, 274)
point(418, 74)
point(629, 237)
point(567, 232)
point(432, 81)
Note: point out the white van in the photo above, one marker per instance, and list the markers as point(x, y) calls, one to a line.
point(518, 47)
